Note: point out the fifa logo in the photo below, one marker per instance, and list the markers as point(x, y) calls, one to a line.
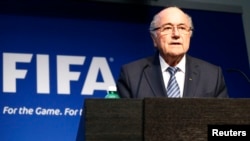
point(98, 66)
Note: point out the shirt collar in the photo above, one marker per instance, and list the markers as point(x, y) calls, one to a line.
point(180, 65)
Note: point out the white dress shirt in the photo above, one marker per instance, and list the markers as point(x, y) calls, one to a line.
point(180, 74)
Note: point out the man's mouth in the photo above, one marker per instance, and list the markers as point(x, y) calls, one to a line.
point(175, 43)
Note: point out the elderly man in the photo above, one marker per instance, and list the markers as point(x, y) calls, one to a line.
point(171, 72)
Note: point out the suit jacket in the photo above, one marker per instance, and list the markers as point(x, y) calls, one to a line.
point(143, 78)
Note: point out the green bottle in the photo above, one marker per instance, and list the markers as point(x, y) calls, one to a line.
point(112, 93)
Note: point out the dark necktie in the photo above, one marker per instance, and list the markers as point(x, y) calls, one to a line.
point(173, 89)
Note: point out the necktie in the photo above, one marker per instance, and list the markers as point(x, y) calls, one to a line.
point(173, 89)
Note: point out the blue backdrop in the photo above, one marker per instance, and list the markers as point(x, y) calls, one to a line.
point(54, 55)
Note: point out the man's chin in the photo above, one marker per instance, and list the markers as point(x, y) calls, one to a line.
point(174, 54)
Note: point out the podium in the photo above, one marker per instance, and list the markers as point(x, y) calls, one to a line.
point(160, 119)
point(113, 120)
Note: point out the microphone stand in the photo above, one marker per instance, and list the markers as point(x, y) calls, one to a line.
point(241, 72)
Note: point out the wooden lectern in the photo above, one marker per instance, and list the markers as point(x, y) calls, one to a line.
point(161, 119)
point(113, 120)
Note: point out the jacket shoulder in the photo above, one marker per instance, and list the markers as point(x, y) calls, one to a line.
point(140, 62)
point(199, 62)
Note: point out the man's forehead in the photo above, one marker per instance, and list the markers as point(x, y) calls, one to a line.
point(172, 15)
point(171, 10)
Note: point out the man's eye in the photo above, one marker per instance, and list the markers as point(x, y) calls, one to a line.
point(182, 28)
point(167, 28)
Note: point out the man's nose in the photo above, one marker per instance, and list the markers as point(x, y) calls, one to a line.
point(175, 32)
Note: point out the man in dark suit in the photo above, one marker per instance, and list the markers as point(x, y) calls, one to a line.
point(171, 30)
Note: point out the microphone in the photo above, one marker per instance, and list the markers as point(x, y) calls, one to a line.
point(140, 79)
point(239, 71)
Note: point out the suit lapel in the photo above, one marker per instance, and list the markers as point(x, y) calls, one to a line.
point(154, 78)
point(191, 78)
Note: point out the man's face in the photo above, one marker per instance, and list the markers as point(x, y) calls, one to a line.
point(173, 38)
